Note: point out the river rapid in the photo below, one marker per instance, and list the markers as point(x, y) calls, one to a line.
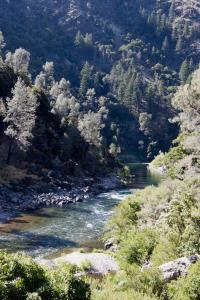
point(49, 232)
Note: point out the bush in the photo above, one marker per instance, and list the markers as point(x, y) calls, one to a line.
point(19, 274)
point(186, 288)
point(67, 285)
point(125, 217)
point(86, 265)
point(117, 289)
point(137, 246)
point(21, 278)
point(166, 250)
point(125, 172)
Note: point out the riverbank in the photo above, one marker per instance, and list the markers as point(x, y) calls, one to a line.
point(18, 197)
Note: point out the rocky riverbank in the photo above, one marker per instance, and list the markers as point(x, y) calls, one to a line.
point(17, 197)
point(102, 264)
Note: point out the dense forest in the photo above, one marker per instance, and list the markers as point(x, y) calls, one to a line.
point(121, 65)
point(154, 226)
point(82, 85)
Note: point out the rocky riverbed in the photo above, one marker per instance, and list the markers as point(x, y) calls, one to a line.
point(17, 197)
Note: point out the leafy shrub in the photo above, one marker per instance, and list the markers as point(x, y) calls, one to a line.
point(23, 279)
point(125, 217)
point(125, 172)
point(137, 246)
point(117, 288)
point(19, 274)
point(86, 265)
point(186, 288)
point(67, 285)
point(149, 281)
point(166, 250)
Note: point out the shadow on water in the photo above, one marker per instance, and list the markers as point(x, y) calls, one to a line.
point(30, 242)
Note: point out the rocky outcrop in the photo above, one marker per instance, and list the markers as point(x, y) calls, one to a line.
point(174, 269)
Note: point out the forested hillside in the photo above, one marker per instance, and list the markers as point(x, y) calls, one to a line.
point(154, 235)
point(83, 84)
point(156, 232)
point(126, 59)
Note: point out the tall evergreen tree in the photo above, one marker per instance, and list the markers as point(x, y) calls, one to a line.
point(165, 45)
point(20, 117)
point(179, 44)
point(85, 79)
point(184, 70)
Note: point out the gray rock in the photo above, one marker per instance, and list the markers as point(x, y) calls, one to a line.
point(179, 267)
point(101, 264)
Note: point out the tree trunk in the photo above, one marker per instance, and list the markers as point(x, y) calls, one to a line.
point(9, 152)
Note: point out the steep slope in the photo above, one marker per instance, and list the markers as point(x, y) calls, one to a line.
point(48, 29)
point(138, 52)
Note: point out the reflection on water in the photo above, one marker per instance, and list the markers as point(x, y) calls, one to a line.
point(52, 229)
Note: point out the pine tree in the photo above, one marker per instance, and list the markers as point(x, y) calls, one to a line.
point(19, 61)
point(184, 70)
point(186, 30)
point(165, 45)
point(78, 39)
point(45, 80)
point(179, 44)
point(172, 11)
point(129, 92)
point(20, 117)
point(88, 39)
point(85, 79)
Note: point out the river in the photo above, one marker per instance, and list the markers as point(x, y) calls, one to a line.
point(51, 231)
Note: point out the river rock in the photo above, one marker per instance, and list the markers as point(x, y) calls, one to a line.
point(111, 245)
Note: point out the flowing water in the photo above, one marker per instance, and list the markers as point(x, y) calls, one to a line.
point(50, 231)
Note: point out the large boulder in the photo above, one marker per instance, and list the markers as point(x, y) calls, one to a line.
point(100, 263)
point(179, 267)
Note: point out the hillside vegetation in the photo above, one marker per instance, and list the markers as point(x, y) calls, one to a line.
point(154, 226)
point(133, 54)
point(161, 224)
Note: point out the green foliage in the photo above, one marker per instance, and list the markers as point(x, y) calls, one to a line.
point(86, 265)
point(166, 250)
point(130, 285)
point(22, 278)
point(19, 275)
point(67, 285)
point(136, 247)
point(188, 287)
point(125, 217)
point(125, 172)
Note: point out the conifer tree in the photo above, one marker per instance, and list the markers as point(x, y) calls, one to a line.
point(20, 117)
point(172, 11)
point(184, 70)
point(78, 39)
point(165, 45)
point(179, 44)
point(85, 79)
